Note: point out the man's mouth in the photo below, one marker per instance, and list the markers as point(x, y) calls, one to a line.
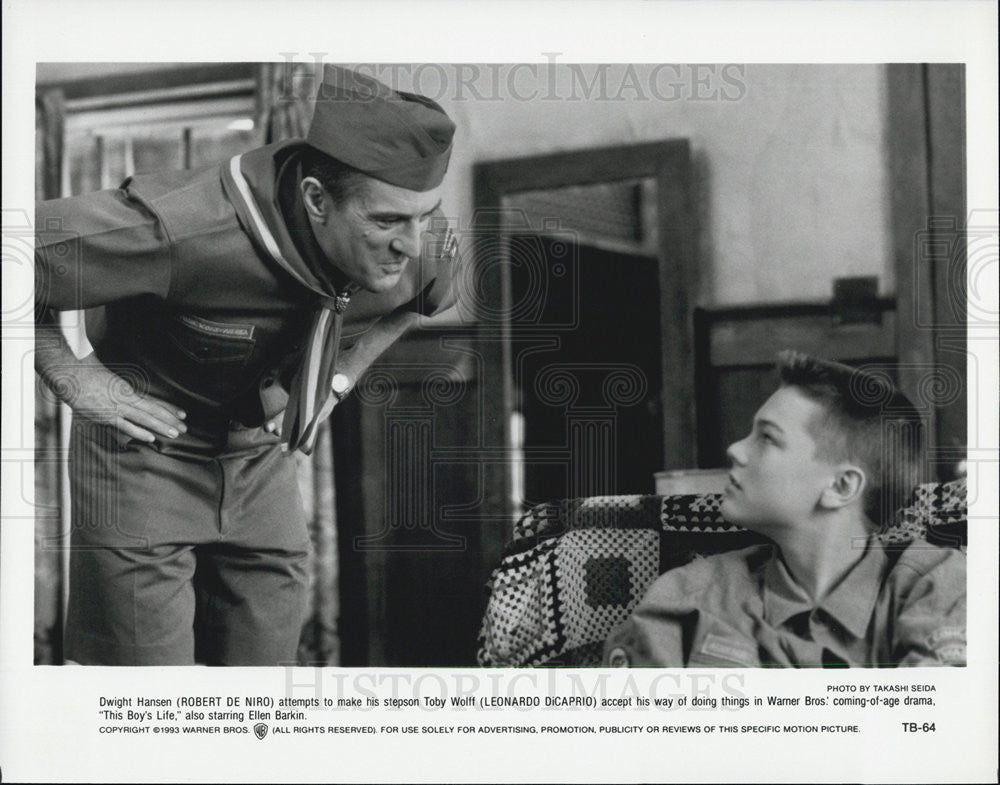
point(732, 483)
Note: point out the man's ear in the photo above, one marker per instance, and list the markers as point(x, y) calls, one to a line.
point(314, 198)
point(848, 486)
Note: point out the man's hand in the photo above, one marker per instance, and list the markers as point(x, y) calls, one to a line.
point(94, 392)
point(274, 424)
point(101, 395)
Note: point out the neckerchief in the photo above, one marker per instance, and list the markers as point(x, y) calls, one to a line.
point(311, 387)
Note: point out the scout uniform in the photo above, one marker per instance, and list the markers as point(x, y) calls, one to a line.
point(218, 299)
point(742, 608)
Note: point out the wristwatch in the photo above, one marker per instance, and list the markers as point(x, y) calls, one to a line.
point(341, 386)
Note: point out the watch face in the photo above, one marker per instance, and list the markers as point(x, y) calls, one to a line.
point(340, 383)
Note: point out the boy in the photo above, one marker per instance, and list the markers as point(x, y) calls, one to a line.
point(830, 456)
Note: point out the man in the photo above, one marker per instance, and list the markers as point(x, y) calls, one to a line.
point(828, 453)
point(289, 268)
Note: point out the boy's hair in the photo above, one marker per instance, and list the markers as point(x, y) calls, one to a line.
point(340, 180)
point(867, 421)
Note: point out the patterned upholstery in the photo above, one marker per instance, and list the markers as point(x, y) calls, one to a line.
point(576, 568)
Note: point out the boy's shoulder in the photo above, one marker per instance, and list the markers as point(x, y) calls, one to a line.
point(921, 562)
point(925, 594)
point(922, 555)
point(729, 573)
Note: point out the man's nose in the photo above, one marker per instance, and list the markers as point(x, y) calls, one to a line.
point(407, 241)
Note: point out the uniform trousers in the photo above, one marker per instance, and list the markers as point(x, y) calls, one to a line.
point(184, 551)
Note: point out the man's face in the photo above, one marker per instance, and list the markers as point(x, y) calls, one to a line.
point(776, 478)
point(372, 235)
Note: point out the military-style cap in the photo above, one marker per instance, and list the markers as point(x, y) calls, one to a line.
point(400, 138)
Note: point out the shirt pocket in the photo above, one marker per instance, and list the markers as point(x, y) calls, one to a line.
point(207, 359)
point(208, 342)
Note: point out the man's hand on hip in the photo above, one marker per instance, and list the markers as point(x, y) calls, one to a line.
point(93, 391)
point(97, 393)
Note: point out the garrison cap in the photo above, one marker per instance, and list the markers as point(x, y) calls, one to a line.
point(400, 138)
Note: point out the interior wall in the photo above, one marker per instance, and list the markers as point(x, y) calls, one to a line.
point(790, 162)
point(47, 74)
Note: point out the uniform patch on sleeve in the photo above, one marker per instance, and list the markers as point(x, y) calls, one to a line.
point(949, 644)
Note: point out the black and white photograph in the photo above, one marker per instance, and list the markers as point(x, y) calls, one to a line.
point(536, 399)
point(587, 359)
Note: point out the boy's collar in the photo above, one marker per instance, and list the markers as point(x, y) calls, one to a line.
point(850, 602)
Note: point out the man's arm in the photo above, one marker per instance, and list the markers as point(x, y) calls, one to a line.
point(91, 250)
point(94, 392)
point(369, 347)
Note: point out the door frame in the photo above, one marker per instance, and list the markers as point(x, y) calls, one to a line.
point(926, 163)
point(668, 163)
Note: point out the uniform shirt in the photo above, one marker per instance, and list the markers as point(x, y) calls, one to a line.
point(194, 311)
point(742, 608)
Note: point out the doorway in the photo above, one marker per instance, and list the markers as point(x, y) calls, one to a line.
point(586, 354)
point(589, 402)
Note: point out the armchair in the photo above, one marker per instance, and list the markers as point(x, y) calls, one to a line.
point(576, 568)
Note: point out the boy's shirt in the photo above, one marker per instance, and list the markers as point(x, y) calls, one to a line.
point(742, 608)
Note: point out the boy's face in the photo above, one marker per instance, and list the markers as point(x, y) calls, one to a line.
point(776, 478)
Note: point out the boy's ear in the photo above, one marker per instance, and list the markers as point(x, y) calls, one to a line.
point(848, 486)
